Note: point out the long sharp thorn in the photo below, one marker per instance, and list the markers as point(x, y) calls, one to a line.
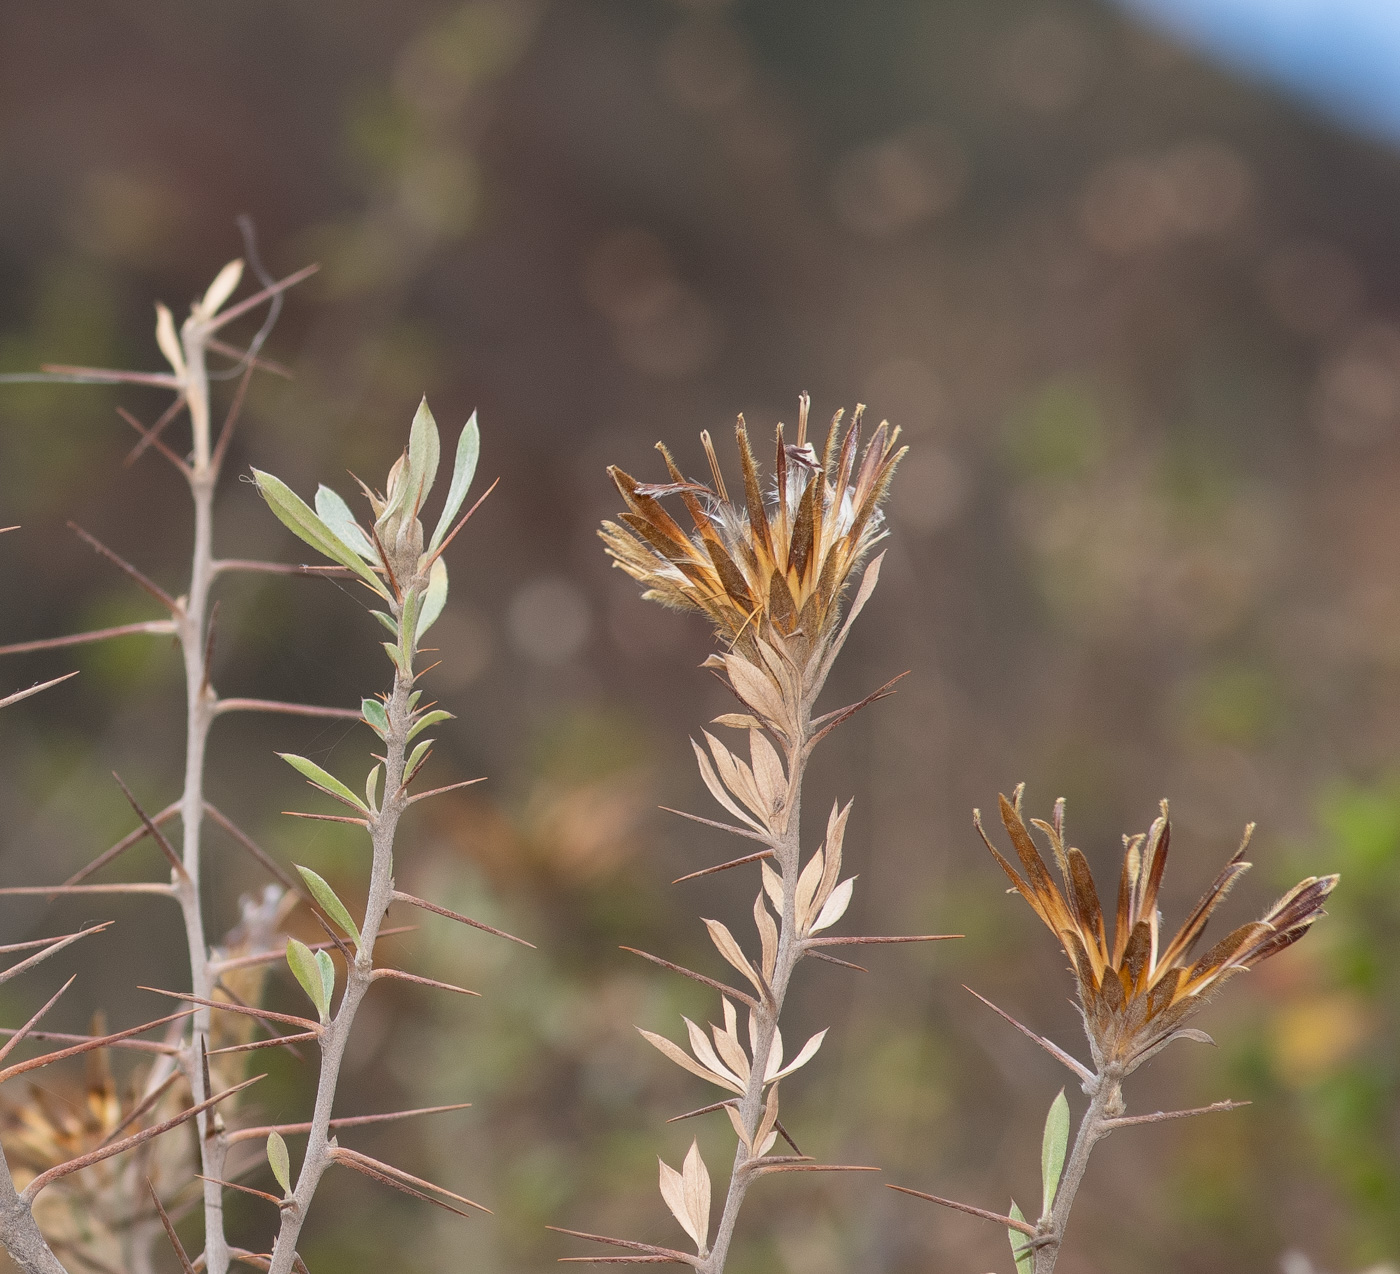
point(149, 436)
point(733, 862)
point(652, 1248)
point(1054, 1050)
point(304, 1023)
point(831, 959)
point(170, 1230)
point(400, 975)
point(344, 1153)
point(268, 863)
point(34, 1021)
point(349, 1121)
point(148, 439)
point(288, 709)
point(721, 987)
point(1161, 1116)
point(235, 410)
point(122, 564)
point(233, 1185)
point(35, 689)
point(224, 317)
point(704, 1110)
point(723, 827)
point(55, 945)
point(153, 831)
point(452, 534)
point(276, 1041)
point(123, 845)
point(155, 627)
point(866, 941)
point(140, 1109)
point(399, 896)
point(1010, 1222)
point(437, 791)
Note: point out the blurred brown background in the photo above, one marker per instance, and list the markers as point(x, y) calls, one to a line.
point(1138, 321)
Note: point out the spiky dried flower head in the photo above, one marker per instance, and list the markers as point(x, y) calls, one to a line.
point(769, 564)
point(1135, 993)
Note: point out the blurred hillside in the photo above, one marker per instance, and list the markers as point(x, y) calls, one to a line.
point(1140, 323)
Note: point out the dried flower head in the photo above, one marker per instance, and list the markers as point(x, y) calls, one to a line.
point(1135, 994)
point(767, 566)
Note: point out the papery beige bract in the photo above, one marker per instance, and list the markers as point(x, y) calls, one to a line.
point(1135, 993)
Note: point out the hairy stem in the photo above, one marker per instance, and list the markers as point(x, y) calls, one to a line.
point(1105, 1105)
point(359, 975)
point(26, 1246)
point(787, 853)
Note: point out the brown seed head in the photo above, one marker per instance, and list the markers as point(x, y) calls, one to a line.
point(1136, 993)
point(769, 564)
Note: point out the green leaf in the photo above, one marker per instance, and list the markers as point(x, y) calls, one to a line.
point(429, 718)
point(375, 716)
point(424, 449)
point(416, 758)
point(299, 518)
point(433, 600)
point(372, 787)
point(281, 1164)
point(330, 903)
point(391, 649)
point(327, 970)
point(1021, 1250)
point(408, 619)
point(335, 513)
point(463, 471)
point(319, 777)
point(307, 970)
point(1052, 1149)
point(387, 620)
point(413, 699)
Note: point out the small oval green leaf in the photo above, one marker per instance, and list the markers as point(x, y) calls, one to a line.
point(326, 966)
point(1052, 1149)
point(329, 902)
point(433, 600)
point(307, 971)
point(463, 470)
point(279, 1161)
point(1021, 1251)
point(375, 716)
point(320, 778)
point(429, 719)
point(335, 513)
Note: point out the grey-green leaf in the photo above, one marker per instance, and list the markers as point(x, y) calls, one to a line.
point(327, 970)
point(416, 758)
point(424, 449)
point(329, 902)
point(303, 521)
point(429, 719)
point(1021, 1250)
point(278, 1159)
point(433, 600)
point(373, 712)
point(326, 782)
point(307, 970)
point(463, 471)
point(372, 787)
point(1052, 1149)
point(335, 513)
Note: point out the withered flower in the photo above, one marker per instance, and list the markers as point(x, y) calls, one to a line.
point(771, 565)
point(1135, 994)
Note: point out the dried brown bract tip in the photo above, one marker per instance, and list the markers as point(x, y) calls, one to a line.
point(1135, 992)
point(766, 566)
